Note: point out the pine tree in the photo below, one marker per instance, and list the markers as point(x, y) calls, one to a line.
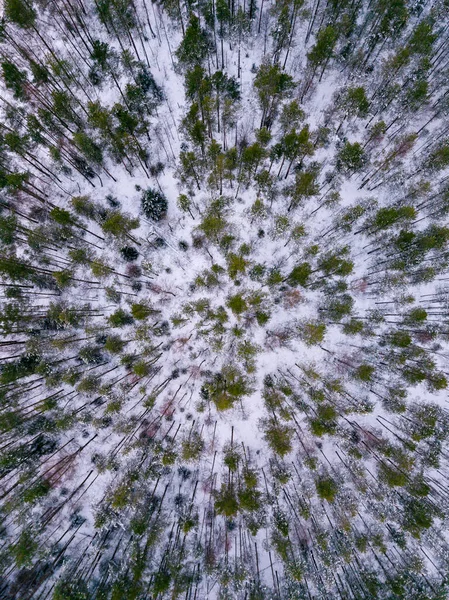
point(154, 204)
point(15, 79)
point(194, 46)
point(272, 85)
point(129, 253)
point(20, 12)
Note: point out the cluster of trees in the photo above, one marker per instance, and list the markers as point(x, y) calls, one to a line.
point(224, 345)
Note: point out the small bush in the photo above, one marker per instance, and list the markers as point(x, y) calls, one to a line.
point(262, 317)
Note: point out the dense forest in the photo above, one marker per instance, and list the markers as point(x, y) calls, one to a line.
point(224, 266)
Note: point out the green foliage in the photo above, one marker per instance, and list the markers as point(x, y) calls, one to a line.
point(14, 78)
point(83, 206)
point(12, 314)
point(325, 421)
point(300, 275)
point(353, 327)
point(364, 373)
point(37, 491)
point(272, 85)
point(320, 428)
point(279, 436)
point(392, 476)
point(355, 102)
point(14, 269)
point(257, 272)
point(114, 344)
point(100, 269)
point(312, 333)
point(20, 12)
point(250, 499)
point(291, 115)
point(226, 502)
point(296, 145)
point(237, 304)
point(422, 38)
point(439, 158)
point(8, 227)
point(351, 157)
point(154, 204)
point(129, 253)
point(417, 516)
point(88, 147)
point(258, 209)
point(121, 495)
point(63, 278)
point(262, 317)
point(25, 548)
point(140, 368)
point(71, 590)
point(213, 225)
point(386, 217)
point(120, 318)
point(324, 46)
point(80, 256)
point(400, 339)
point(305, 186)
point(184, 203)
point(91, 355)
point(140, 311)
point(326, 488)
point(226, 387)
point(194, 47)
point(267, 233)
point(161, 582)
point(335, 263)
point(192, 447)
point(417, 94)
point(236, 265)
point(23, 367)
point(231, 458)
point(337, 307)
point(246, 351)
point(415, 316)
point(118, 224)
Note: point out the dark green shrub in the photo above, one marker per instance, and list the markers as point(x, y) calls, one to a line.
point(129, 253)
point(120, 318)
point(326, 488)
point(154, 204)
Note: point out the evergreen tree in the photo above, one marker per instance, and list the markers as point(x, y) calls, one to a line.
point(154, 204)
